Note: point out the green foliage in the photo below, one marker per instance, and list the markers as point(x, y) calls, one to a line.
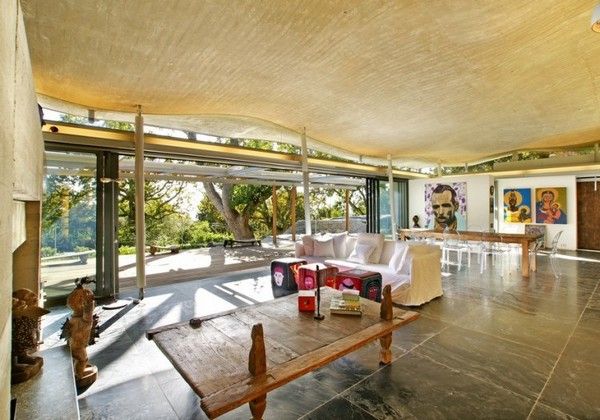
point(200, 233)
point(208, 213)
point(69, 212)
point(245, 198)
point(126, 250)
point(47, 251)
point(161, 200)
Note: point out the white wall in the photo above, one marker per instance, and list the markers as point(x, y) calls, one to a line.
point(478, 194)
point(568, 238)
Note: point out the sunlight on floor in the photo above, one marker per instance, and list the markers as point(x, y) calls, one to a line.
point(256, 288)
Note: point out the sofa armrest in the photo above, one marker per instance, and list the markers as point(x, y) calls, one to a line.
point(298, 249)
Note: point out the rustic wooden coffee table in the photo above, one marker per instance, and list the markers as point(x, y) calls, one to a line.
point(228, 361)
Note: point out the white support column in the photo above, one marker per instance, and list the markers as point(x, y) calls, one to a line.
point(392, 199)
point(305, 184)
point(140, 223)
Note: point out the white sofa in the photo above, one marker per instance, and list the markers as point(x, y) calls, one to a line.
point(415, 276)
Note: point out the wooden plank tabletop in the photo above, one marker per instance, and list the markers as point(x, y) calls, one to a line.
point(213, 357)
point(472, 235)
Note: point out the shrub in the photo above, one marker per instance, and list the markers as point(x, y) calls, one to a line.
point(48, 251)
point(126, 250)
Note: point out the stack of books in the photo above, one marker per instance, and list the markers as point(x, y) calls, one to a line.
point(348, 303)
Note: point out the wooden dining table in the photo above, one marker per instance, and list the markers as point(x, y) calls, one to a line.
point(524, 239)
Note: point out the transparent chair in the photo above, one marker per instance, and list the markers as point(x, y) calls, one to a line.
point(453, 242)
point(478, 247)
point(553, 261)
point(499, 250)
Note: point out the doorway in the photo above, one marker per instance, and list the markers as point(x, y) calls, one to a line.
point(588, 206)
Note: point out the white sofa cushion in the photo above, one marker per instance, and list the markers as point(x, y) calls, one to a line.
point(323, 247)
point(361, 253)
point(398, 258)
point(339, 244)
point(374, 239)
point(307, 241)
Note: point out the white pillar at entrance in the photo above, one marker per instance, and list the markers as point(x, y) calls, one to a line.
point(305, 184)
point(392, 199)
point(140, 225)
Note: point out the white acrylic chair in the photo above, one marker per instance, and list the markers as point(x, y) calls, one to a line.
point(554, 249)
point(478, 247)
point(457, 245)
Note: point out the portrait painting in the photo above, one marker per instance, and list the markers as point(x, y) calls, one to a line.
point(517, 205)
point(551, 205)
point(446, 206)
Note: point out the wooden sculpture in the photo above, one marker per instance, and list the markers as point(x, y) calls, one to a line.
point(25, 335)
point(79, 328)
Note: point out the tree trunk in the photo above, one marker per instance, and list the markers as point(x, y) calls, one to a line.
point(237, 223)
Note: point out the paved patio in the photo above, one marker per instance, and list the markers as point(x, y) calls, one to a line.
point(165, 267)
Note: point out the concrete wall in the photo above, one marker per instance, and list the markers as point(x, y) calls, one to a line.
point(568, 239)
point(8, 30)
point(478, 194)
point(20, 140)
point(28, 143)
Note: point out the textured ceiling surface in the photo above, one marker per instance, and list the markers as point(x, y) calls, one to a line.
point(446, 82)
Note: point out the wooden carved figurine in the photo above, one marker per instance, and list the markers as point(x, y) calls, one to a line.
point(25, 335)
point(79, 328)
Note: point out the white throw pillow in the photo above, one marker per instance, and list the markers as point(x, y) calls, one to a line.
point(350, 244)
point(374, 239)
point(323, 247)
point(307, 241)
point(361, 253)
point(397, 261)
point(339, 244)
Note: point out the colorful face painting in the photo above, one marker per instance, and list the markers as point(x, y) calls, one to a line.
point(517, 205)
point(446, 206)
point(551, 205)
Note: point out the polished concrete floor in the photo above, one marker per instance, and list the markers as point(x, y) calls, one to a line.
point(495, 346)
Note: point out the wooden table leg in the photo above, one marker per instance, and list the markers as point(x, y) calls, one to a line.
point(258, 407)
point(257, 365)
point(386, 313)
point(385, 354)
point(525, 259)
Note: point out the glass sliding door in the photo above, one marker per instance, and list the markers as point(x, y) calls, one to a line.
point(69, 214)
point(400, 205)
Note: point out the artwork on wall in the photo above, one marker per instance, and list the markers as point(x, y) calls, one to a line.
point(446, 206)
point(517, 205)
point(551, 205)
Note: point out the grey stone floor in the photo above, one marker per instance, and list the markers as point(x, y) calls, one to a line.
point(495, 346)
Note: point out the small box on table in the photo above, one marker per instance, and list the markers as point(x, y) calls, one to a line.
point(284, 275)
point(306, 300)
point(368, 283)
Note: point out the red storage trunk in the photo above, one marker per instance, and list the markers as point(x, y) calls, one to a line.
point(284, 273)
point(368, 283)
point(307, 275)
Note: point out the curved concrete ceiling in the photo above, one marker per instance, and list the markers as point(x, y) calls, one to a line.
point(449, 81)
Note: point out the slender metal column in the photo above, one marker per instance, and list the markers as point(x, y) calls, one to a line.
point(305, 184)
point(293, 213)
point(274, 205)
point(347, 209)
point(140, 223)
point(392, 198)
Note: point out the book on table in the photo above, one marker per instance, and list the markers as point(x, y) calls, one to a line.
point(345, 304)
